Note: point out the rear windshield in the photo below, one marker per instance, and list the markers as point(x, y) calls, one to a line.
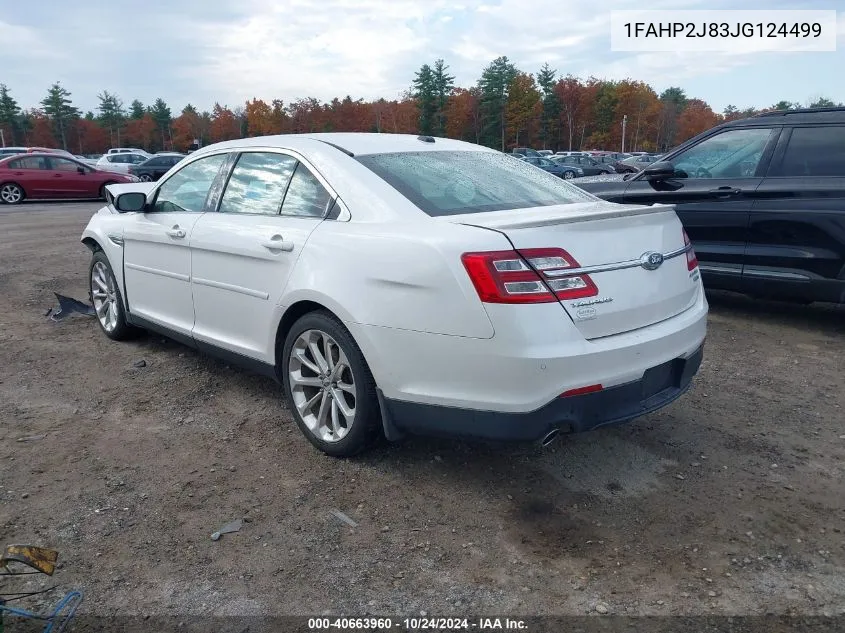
point(453, 183)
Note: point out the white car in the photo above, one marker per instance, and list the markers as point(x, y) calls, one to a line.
point(129, 150)
point(120, 161)
point(400, 284)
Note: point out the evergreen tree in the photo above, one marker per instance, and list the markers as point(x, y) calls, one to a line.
point(161, 115)
point(112, 114)
point(137, 110)
point(426, 97)
point(10, 114)
point(551, 103)
point(58, 107)
point(494, 86)
point(442, 83)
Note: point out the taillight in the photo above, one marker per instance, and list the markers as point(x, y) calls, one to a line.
point(692, 260)
point(534, 275)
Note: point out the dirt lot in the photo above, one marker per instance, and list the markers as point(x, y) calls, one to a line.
point(730, 501)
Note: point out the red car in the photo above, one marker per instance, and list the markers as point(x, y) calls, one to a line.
point(44, 175)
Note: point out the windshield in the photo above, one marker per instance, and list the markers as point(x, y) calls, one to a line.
point(452, 183)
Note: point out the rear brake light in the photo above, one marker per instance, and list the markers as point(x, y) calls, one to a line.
point(534, 275)
point(580, 391)
point(692, 260)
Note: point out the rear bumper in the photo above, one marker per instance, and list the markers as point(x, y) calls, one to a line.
point(658, 387)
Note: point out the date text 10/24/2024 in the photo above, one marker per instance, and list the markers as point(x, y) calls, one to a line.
point(417, 624)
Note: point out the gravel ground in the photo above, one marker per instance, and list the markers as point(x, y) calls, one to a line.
point(729, 501)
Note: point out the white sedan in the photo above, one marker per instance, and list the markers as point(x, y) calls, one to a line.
point(399, 284)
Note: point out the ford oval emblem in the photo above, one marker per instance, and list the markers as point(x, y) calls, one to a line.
point(651, 260)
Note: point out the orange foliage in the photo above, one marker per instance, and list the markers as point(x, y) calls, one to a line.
point(463, 118)
point(141, 132)
point(696, 118)
point(41, 134)
point(86, 137)
point(224, 124)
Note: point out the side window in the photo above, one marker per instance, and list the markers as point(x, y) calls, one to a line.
point(155, 162)
point(60, 164)
point(187, 189)
point(814, 152)
point(258, 183)
point(306, 196)
point(731, 154)
point(30, 162)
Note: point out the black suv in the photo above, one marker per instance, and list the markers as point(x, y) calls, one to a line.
point(762, 200)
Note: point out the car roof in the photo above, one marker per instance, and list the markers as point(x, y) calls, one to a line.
point(790, 117)
point(352, 143)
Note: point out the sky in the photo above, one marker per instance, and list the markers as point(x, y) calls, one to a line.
point(229, 51)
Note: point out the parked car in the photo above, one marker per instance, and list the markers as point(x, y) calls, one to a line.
point(545, 152)
point(526, 151)
point(11, 151)
point(589, 165)
point(49, 175)
point(155, 167)
point(564, 171)
point(571, 154)
point(763, 200)
point(639, 161)
point(128, 150)
point(401, 284)
point(121, 161)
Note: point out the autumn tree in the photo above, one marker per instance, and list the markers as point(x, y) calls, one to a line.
point(224, 124)
point(41, 127)
point(60, 110)
point(568, 91)
point(463, 116)
point(10, 114)
point(141, 132)
point(494, 84)
point(259, 118)
point(696, 118)
point(523, 103)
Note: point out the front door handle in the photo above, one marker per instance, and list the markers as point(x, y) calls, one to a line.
point(277, 243)
point(176, 232)
point(725, 192)
point(57, 175)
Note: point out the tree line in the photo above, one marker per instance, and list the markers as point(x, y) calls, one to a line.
point(506, 108)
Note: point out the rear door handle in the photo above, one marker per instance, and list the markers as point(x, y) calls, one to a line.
point(725, 192)
point(277, 243)
point(176, 232)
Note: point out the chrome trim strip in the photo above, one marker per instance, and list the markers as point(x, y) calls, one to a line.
point(603, 268)
point(711, 268)
point(774, 273)
point(239, 289)
point(158, 271)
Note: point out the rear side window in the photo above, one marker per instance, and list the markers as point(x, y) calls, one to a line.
point(30, 162)
point(258, 183)
point(306, 196)
point(814, 152)
point(453, 183)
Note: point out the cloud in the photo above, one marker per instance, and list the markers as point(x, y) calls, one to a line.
point(233, 50)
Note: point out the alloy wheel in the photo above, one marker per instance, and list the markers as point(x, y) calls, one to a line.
point(568, 175)
point(104, 296)
point(322, 385)
point(145, 178)
point(11, 194)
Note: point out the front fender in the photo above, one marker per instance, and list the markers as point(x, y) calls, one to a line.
point(104, 232)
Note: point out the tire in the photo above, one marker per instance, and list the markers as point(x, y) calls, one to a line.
point(103, 190)
point(568, 175)
point(105, 296)
point(11, 193)
point(145, 178)
point(318, 401)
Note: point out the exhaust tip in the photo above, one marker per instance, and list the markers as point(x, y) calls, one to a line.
point(549, 437)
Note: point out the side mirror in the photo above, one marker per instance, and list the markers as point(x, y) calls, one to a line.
point(130, 202)
point(659, 170)
point(81, 170)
